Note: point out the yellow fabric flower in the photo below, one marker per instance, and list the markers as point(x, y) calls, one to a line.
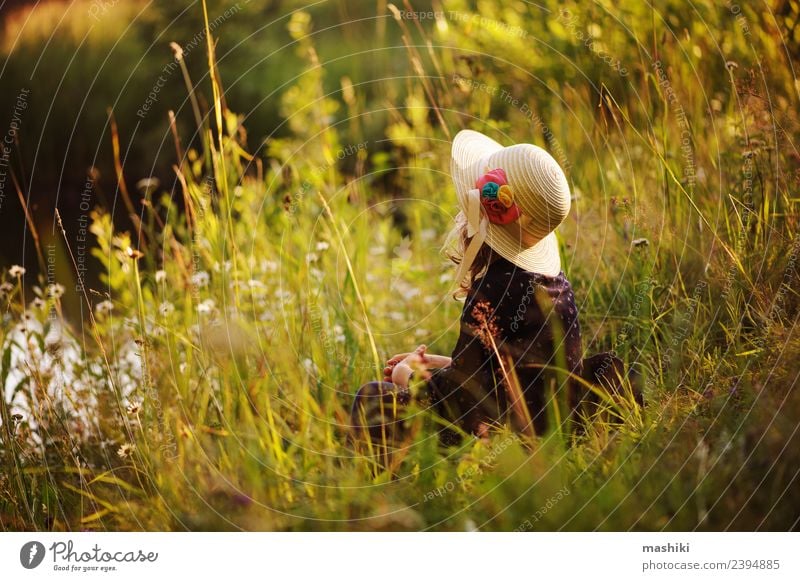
point(505, 196)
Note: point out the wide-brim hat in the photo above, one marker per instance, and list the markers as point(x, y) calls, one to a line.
point(536, 187)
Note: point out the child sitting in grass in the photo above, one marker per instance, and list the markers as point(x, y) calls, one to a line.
point(519, 350)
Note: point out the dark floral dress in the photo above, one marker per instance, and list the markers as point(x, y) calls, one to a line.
point(529, 323)
point(525, 320)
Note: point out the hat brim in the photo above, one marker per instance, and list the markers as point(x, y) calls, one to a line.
point(472, 155)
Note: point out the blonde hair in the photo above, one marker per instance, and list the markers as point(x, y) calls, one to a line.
point(454, 247)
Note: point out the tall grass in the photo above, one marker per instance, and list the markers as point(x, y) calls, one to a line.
point(210, 389)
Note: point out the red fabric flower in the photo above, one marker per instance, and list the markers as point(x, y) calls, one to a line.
point(495, 210)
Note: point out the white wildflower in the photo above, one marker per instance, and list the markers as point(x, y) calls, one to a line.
point(38, 303)
point(312, 257)
point(165, 309)
point(16, 271)
point(206, 307)
point(321, 246)
point(200, 278)
point(104, 307)
point(126, 450)
point(310, 366)
point(269, 266)
point(55, 291)
point(338, 334)
point(161, 276)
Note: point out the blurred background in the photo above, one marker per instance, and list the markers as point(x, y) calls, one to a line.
point(82, 61)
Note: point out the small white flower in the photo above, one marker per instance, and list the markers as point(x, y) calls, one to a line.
point(161, 276)
point(206, 307)
point(316, 273)
point(134, 407)
point(421, 332)
point(55, 291)
point(269, 266)
point(38, 303)
point(104, 307)
point(396, 316)
point(312, 257)
point(165, 309)
point(6, 288)
point(126, 450)
point(338, 334)
point(266, 317)
point(16, 271)
point(200, 278)
point(255, 284)
point(321, 246)
point(310, 366)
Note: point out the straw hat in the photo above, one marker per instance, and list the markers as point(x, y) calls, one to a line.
point(513, 199)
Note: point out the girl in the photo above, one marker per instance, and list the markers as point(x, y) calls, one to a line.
point(520, 343)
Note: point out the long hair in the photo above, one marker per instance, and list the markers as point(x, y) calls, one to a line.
point(454, 248)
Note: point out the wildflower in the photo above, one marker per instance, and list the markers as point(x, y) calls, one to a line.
point(338, 334)
point(165, 309)
point(147, 185)
point(269, 266)
point(486, 330)
point(310, 367)
point(16, 271)
point(55, 291)
point(640, 242)
point(104, 307)
point(38, 303)
point(133, 253)
point(206, 307)
point(126, 450)
point(6, 288)
point(134, 408)
point(200, 278)
point(161, 276)
point(403, 250)
point(321, 246)
point(312, 257)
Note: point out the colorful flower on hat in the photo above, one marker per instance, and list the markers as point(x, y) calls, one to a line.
point(497, 197)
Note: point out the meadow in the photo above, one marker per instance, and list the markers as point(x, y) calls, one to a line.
point(205, 383)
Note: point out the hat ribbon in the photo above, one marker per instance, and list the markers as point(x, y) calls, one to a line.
point(477, 221)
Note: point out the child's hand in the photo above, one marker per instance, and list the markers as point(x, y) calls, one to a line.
point(408, 362)
point(393, 361)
